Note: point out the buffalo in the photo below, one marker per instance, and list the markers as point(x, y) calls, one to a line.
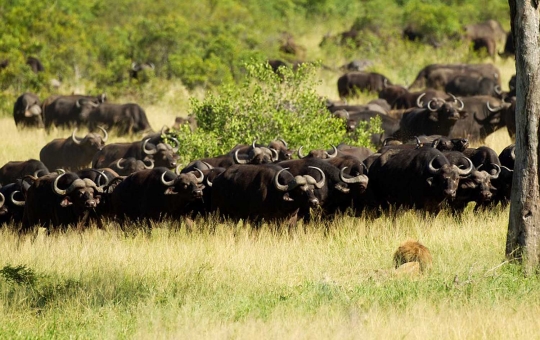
point(72, 153)
point(57, 201)
point(150, 195)
point(263, 193)
point(163, 154)
point(11, 171)
point(66, 111)
point(27, 111)
point(465, 85)
point(352, 82)
point(125, 118)
point(127, 166)
point(436, 76)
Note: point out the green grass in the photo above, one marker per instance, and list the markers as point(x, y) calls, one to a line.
point(326, 281)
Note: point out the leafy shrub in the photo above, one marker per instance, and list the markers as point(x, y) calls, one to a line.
point(264, 107)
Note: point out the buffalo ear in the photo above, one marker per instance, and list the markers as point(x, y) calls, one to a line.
point(342, 188)
point(170, 191)
point(429, 181)
point(65, 202)
point(287, 197)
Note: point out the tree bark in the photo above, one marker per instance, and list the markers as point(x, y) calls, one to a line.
point(523, 239)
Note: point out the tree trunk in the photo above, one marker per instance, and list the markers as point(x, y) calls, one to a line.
point(523, 239)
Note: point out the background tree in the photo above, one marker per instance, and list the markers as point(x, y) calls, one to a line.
point(524, 225)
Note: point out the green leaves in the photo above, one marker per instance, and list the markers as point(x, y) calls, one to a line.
point(264, 107)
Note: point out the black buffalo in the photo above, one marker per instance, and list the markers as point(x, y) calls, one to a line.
point(415, 178)
point(436, 76)
point(72, 153)
point(57, 201)
point(437, 118)
point(350, 83)
point(127, 166)
point(125, 118)
point(12, 202)
point(66, 111)
point(11, 171)
point(163, 154)
point(484, 116)
point(27, 111)
point(265, 192)
point(151, 195)
point(465, 85)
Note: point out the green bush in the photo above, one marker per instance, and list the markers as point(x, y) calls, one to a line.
point(264, 107)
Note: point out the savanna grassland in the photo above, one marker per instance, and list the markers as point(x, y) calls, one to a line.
point(224, 280)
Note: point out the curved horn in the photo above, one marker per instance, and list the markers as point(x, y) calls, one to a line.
point(334, 154)
point(431, 168)
point(496, 175)
point(175, 149)
point(385, 82)
point(199, 179)
point(435, 143)
point(105, 134)
point(320, 183)
point(507, 169)
point(468, 170)
point(78, 104)
point(279, 186)
point(237, 160)
point(497, 89)
point(418, 142)
point(275, 155)
point(208, 182)
point(165, 183)
point(152, 66)
point(55, 186)
point(207, 165)
point(2, 200)
point(36, 174)
point(178, 169)
point(118, 164)
point(300, 155)
point(134, 66)
point(284, 142)
point(513, 153)
point(149, 167)
point(456, 101)
point(74, 138)
point(429, 106)
point(491, 109)
point(14, 201)
point(419, 103)
point(253, 144)
point(60, 171)
point(342, 177)
point(146, 151)
point(101, 174)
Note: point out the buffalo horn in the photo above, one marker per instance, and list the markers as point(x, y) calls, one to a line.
point(497, 89)
point(199, 179)
point(334, 154)
point(74, 138)
point(14, 201)
point(320, 183)
point(2, 200)
point(146, 151)
point(419, 103)
point(491, 109)
point(275, 154)
point(513, 153)
point(496, 175)
point(105, 134)
point(431, 168)
point(468, 170)
point(207, 165)
point(101, 174)
point(175, 149)
point(149, 167)
point(284, 142)
point(36, 174)
point(279, 186)
point(237, 160)
point(118, 164)
point(507, 169)
point(429, 106)
point(357, 179)
point(300, 155)
point(78, 183)
point(165, 183)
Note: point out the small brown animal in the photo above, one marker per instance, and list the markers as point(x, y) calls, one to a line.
point(413, 251)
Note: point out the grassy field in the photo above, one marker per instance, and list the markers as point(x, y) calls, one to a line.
point(324, 280)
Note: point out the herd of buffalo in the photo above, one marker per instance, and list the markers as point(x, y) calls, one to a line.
point(423, 160)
